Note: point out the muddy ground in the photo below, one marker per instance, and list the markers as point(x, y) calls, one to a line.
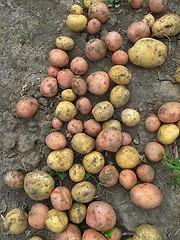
point(28, 33)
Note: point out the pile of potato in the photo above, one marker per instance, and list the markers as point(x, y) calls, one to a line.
point(100, 133)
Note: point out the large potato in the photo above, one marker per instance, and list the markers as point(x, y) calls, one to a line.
point(120, 74)
point(119, 96)
point(93, 162)
point(38, 185)
point(77, 213)
point(169, 112)
point(167, 133)
point(76, 22)
point(82, 143)
point(103, 111)
point(147, 231)
point(148, 53)
point(64, 43)
point(65, 111)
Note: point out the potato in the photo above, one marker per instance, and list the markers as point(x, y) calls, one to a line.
point(168, 133)
point(98, 82)
point(61, 198)
point(77, 172)
point(77, 213)
point(119, 96)
point(53, 71)
point(56, 123)
point(177, 75)
point(137, 30)
point(113, 41)
point(93, 162)
point(149, 19)
point(79, 85)
point(127, 179)
point(103, 111)
point(82, 143)
point(157, 6)
point(83, 192)
point(58, 58)
point(126, 139)
point(169, 112)
point(15, 221)
point(95, 49)
point(153, 151)
point(68, 95)
point(100, 216)
point(76, 9)
point(112, 123)
point(56, 141)
point(64, 78)
point(148, 53)
point(167, 25)
point(38, 185)
point(152, 123)
point(27, 107)
point(136, 3)
point(36, 238)
point(92, 128)
point(88, 3)
point(99, 10)
point(75, 126)
point(49, 87)
point(65, 111)
point(36, 216)
point(65, 43)
point(93, 26)
point(145, 173)
point(71, 232)
point(84, 105)
point(76, 22)
point(130, 117)
point(56, 220)
point(120, 57)
point(79, 66)
point(60, 160)
point(116, 234)
point(120, 74)
point(127, 157)
point(108, 176)
point(147, 231)
point(146, 195)
point(14, 179)
point(91, 234)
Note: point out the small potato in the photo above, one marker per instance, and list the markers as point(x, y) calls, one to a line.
point(65, 43)
point(93, 26)
point(76, 22)
point(76, 9)
point(112, 123)
point(149, 19)
point(49, 87)
point(91, 234)
point(136, 3)
point(14, 179)
point(92, 128)
point(83, 192)
point(56, 123)
point(126, 139)
point(53, 71)
point(36, 238)
point(68, 95)
point(56, 141)
point(113, 41)
point(153, 151)
point(58, 58)
point(79, 66)
point(15, 221)
point(88, 3)
point(84, 105)
point(127, 179)
point(120, 74)
point(27, 107)
point(75, 126)
point(77, 213)
point(60, 160)
point(137, 30)
point(64, 78)
point(95, 49)
point(108, 176)
point(127, 157)
point(169, 112)
point(100, 11)
point(71, 232)
point(65, 111)
point(147, 231)
point(168, 133)
point(120, 57)
point(152, 123)
point(93, 162)
point(119, 96)
point(56, 220)
point(77, 172)
point(157, 6)
point(116, 234)
point(177, 75)
point(130, 117)
point(79, 85)
point(82, 143)
point(103, 111)
point(145, 173)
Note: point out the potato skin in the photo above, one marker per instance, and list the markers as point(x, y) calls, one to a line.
point(93, 162)
point(65, 111)
point(76, 9)
point(167, 133)
point(147, 231)
point(100, 11)
point(130, 117)
point(56, 140)
point(103, 111)
point(113, 41)
point(58, 58)
point(77, 172)
point(71, 232)
point(75, 126)
point(36, 238)
point(92, 127)
point(79, 85)
point(95, 49)
point(53, 71)
point(153, 151)
point(77, 213)
point(93, 26)
point(68, 95)
point(84, 105)
point(137, 30)
point(64, 78)
point(169, 112)
point(126, 139)
point(49, 87)
point(152, 123)
point(14, 179)
point(27, 107)
point(108, 176)
point(127, 178)
point(120, 74)
point(120, 57)
point(82, 143)
point(91, 234)
point(127, 157)
point(56, 123)
point(76, 22)
point(64, 43)
point(157, 6)
point(79, 66)
point(149, 19)
point(119, 96)
point(145, 173)
point(112, 123)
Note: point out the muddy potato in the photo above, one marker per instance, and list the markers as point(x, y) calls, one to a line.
point(56, 123)
point(95, 49)
point(136, 3)
point(55, 140)
point(76, 22)
point(147, 231)
point(116, 234)
point(168, 133)
point(75, 126)
point(103, 111)
point(53, 71)
point(149, 19)
point(79, 66)
point(91, 234)
point(77, 213)
point(27, 107)
point(82, 143)
point(119, 96)
point(112, 123)
point(15, 221)
point(153, 151)
point(120, 74)
point(93, 162)
point(79, 85)
point(99, 10)
point(169, 112)
point(68, 95)
point(108, 176)
point(148, 53)
point(65, 111)
point(60, 160)
point(76, 9)
point(49, 87)
point(177, 75)
point(126, 139)
point(127, 157)
point(14, 179)
point(64, 43)
point(113, 40)
point(77, 172)
point(130, 117)
point(120, 57)
point(84, 105)
point(88, 3)
point(71, 232)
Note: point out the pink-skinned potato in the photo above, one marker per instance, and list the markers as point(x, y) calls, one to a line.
point(56, 123)
point(93, 26)
point(58, 58)
point(157, 6)
point(55, 140)
point(127, 179)
point(91, 234)
point(27, 107)
point(152, 123)
point(95, 49)
point(145, 173)
point(109, 176)
point(136, 3)
point(99, 10)
point(153, 151)
point(53, 71)
point(71, 232)
point(92, 127)
point(137, 30)
point(75, 126)
point(79, 85)
point(116, 234)
point(64, 78)
point(120, 57)
point(126, 139)
point(113, 40)
point(169, 112)
point(14, 179)
point(49, 87)
point(84, 105)
point(79, 66)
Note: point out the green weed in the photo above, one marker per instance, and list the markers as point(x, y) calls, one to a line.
point(87, 176)
point(23, 37)
point(53, 173)
point(108, 233)
point(117, 3)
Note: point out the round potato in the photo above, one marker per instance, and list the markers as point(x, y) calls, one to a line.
point(88, 3)
point(55, 140)
point(157, 6)
point(77, 213)
point(147, 231)
point(130, 117)
point(64, 43)
point(93, 162)
point(116, 234)
point(49, 87)
point(152, 123)
point(56, 123)
point(169, 112)
point(126, 139)
point(84, 105)
point(65, 111)
point(75, 126)
point(127, 178)
point(108, 176)
point(137, 30)
point(120, 57)
point(92, 127)
point(168, 133)
point(71, 232)
point(103, 111)
point(145, 173)
point(136, 3)
point(64, 78)
point(153, 151)
point(79, 85)
point(76, 9)
point(77, 172)
point(95, 49)
point(120, 74)
point(99, 10)
point(27, 107)
point(68, 95)
point(127, 157)
point(14, 179)
point(112, 123)
point(119, 96)
point(58, 58)
point(94, 25)
point(79, 66)
point(76, 22)
point(149, 19)
point(177, 75)
point(82, 143)
point(113, 41)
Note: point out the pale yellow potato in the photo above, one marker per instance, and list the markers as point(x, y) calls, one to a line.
point(76, 22)
point(130, 117)
point(65, 111)
point(149, 19)
point(120, 74)
point(88, 3)
point(177, 75)
point(119, 96)
point(93, 162)
point(103, 111)
point(77, 172)
point(112, 123)
point(36, 238)
point(64, 43)
point(61, 160)
point(148, 53)
point(77, 213)
point(68, 95)
point(147, 231)
point(82, 143)
point(127, 157)
point(76, 9)
point(167, 133)
point(56, 220)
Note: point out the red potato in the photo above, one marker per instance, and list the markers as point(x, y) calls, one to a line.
point(153, 151)
point(84, 105)
point(79, 85)
point(146, 195)
point(169, 112)
point(137, 30)
point(71, 232)
point(108, 176)
point(79, 66)
point(36, 217)
point(95, 49)
point(98, 82)
point(116, 234)
point(27, 107)
point(100, 216)
point(99, 10)
point(53, 71)
point(49, 87)
point(75, 126)
point(127, 179)
point(152, 123)
point(93, 26)
point(14, 179)
point(113, 41)
point(136, 3)
point(91, 234)
point(56, 141)
point(126, 139)
point(120, 57)
point(157, 6)
point(58, 58)
point(92, 127)
point(56, 123)
point(64, 78)
point(145, 173)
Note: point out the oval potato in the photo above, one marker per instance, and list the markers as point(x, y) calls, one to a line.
point(103, 111)
point(64, 43)
point(77, 213)
point(82, 143)
point(76, 9)
point(127, 157)
point(167, 133)
point(130, 117)
point(147, 231)
point(119, 96)
point(68, 95)
point(65, 111)
point(120, 74)
point(76, 22)
point(93, 162)
point(169, 112)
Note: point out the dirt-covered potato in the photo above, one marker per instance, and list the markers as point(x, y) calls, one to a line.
point(167, 133)
point(145, 173)
point(49, 87)
point(58, 58)
point(68, 95)
point(119, 96)
point(120, 74)
point(60, 160)
point(152, 123)
point(88, 3)
point(99, 10)
point(77, 172)
point(103, 111)
point(130, 117)
point(76, 9)
point(64, 78)
point(84, 105)
point(153, 151)
point(15, 221)
point(177, 75)
point(91, 234)
point(148, 53)
point(127, 157)
point(83, 192)
point(27, 107)
point(65, 111)
point(147, 231)
point(92, 127)
point(157, 6)
point(79, 66)
point(14, 179)
point(137, 30)
point(95, 49)
point(79, 85)
point(112, 123)
point(127, 178)
point(77, 213)
point(64, 43)
point(149, 19)
point(120, 57)
point(75, 126)
point(76, 22)
point(82, 143)
point(55, 140)
point(169, 112)
point(93, 162)
point(113, 41)
point(71, 232)
point(108, 176)
point(93, 26)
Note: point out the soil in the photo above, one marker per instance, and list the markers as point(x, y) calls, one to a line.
point(28, 33)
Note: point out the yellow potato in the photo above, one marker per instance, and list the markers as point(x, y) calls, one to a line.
point(36, 238)
point(167, 133)
point(103, 111)
point(119, 96)
point(148, 53)
point(82, 143)
point(120, 74)
point(65, 111)
point(177, 75)
point(64, 43)
point(149, 19)
point(68, 95)
point(88, 3)
point(130, 117)
point(76, 22)
point(76, 9)
point(77, 213)
point(112, 123)
point(147, 231)
point(77, 172)
point(93, 162)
